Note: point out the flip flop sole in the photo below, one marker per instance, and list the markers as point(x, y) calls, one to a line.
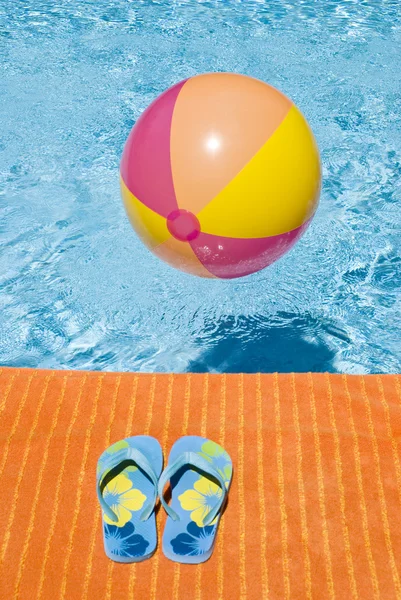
point(192, 496)
point(126, 490)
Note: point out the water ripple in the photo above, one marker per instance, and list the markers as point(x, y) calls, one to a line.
point(78, 290)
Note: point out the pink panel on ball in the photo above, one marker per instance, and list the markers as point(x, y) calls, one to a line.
point(228, 258)
point(145, 164)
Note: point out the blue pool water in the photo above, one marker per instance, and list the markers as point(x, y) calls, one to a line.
point(78, 289)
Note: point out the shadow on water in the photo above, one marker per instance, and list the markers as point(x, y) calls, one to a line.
point(284, 343)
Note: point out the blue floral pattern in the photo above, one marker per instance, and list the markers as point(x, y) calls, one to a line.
point(123, 541)
point(195, 542)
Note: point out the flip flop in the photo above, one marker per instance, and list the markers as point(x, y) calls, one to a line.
point(127, 477)
point(200, 473)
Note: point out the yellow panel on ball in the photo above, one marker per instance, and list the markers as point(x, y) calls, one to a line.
point(150, 226)
point(276, 192)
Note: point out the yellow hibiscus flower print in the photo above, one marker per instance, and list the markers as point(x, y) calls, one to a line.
point(122, 499)
point(201, 499)
point(219, 458)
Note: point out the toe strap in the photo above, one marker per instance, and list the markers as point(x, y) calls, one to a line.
point(194, 460)
point(113, 461)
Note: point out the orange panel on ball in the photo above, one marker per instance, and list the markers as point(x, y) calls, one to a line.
point(181, 256)
point(220, 121)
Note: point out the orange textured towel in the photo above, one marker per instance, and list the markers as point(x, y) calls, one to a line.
point(314, 509)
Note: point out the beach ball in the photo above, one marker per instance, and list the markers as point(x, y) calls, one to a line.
point(220, 175)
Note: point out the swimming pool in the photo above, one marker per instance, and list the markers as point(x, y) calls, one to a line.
point(77, 288)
